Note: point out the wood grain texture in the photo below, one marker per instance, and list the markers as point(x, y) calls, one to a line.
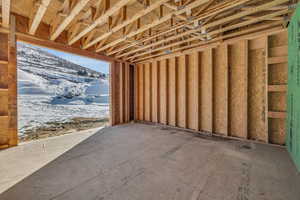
point(141, 92)
point(193, 91)
point(147, 76)
point(220, 85)
point(155, 91)
point(238, 87)
point(163, 90)
point(172, 101)
point(206, 90)
point(182, 91)
point(257, 87)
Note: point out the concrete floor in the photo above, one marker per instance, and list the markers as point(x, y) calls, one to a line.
point(144, 162)
point(19, 162)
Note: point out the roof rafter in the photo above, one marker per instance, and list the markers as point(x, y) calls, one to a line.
point(268, 28)
point(216, 32)
point(127, 22)
point(215, 23)
point(155, 23)
point(75, 11)
point(5, 13)
point(39, 16)
point(100, 20)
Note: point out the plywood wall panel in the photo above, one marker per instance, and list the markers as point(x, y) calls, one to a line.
point(238, 62)
point(277, 129)
point(4, 103)
point(4, 140)
point(257, 88)
point(3, 76)
point(136, 89)
point(147, 75)
point(193, 91)
point(141, 91)
point(223, 90)
point(220, 89)
point(182, 91)
point(206, 73)
point(155, 92)
point(172, 100)
point(163, 91)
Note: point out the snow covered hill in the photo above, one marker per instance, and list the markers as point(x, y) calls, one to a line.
point(53, 89)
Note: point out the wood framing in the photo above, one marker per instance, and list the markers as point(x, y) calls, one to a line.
point(230, 89)
point(42, 8)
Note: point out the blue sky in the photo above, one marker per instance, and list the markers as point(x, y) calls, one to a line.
point(97, 65)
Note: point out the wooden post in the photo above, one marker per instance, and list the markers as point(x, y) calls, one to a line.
point(12, 85)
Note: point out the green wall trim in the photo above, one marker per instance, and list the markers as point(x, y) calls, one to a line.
point(293, 95)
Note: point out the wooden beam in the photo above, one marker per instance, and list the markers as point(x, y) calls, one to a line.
point(101, 20)
point(277, 60)
point(75, 11)
point(154, 23)
point(127, 22)
point(277, 88)
point(5, 13)
point(39, 16)
point(215, 23)
point(192, 39)
point(277, 115)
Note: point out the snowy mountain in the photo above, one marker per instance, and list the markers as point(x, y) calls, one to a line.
point(51, 89)
point(41, 73)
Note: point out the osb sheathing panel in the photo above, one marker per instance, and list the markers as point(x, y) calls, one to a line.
point(3, 130)
point(155, 90)
point(277, 101)
point(238, 62)
point(206, 90)
point(257, 86)
point(220, 90)
point(3, 46)
point(278, 74)
point(141, 91)
point(163, 87)
point(277, 131)
point(192, 90)
point(4, 103)
point(147, 91)
point(278, 40)
point(3, 76)
point(182, 91)
point(172, 105)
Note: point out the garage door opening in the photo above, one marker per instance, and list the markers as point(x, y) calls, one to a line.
point(59, 93)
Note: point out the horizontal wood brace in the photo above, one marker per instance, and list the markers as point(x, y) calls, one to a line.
point(277, 60)
point(277, 88)
point(277, 115)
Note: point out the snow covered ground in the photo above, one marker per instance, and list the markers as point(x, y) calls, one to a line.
point(51, 89)
point(35, 111)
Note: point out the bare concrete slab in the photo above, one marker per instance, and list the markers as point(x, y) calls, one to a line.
point(19, 162)
point(137, 161)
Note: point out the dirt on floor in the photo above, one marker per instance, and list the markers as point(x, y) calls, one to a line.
point(60, 128)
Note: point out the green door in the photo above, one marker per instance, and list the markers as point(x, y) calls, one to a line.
point(293, 118)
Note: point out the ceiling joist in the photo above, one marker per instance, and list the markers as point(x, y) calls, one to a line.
point(42, 7)
point(5, 13)
point(75, 11)
point(100, 20)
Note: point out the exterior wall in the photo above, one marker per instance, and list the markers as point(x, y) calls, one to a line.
point(233, 89)
point(8, 90)
point(120, 93)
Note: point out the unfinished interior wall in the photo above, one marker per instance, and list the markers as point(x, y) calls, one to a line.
point(8, 90)
point(120, 93)
point(234, 89)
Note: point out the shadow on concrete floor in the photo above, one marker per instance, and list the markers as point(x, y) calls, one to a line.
point(137, 161)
